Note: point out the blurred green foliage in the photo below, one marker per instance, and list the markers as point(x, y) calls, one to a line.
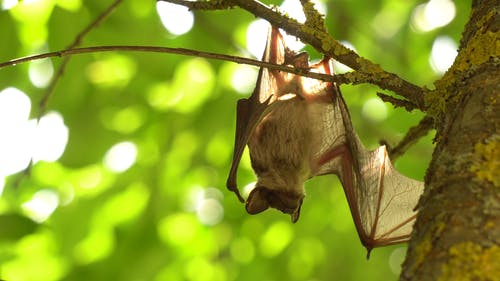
point(169, 216)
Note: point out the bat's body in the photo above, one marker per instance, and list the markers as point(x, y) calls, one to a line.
point(281, 150)
point(297, 128)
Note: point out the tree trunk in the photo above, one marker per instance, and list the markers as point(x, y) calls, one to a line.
point(457, 232)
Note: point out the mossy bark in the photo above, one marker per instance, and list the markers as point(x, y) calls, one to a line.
point(457, 232)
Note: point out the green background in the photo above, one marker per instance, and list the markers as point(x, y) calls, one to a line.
point(180, 113)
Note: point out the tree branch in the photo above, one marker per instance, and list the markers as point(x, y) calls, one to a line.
point(42, 106)
point(338, 78)
point(409, 106)
point(313, 18)
point(324, 43)
point(202, 5)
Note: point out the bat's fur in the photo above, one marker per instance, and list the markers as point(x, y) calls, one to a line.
point(297, 128)
point(281, 150)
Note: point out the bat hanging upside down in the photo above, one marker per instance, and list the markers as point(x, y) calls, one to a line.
point(297, 128)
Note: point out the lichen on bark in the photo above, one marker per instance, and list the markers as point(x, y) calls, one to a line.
point(487, 160)
point(471, 261)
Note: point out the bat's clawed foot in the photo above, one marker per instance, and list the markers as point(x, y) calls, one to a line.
point(232, 187)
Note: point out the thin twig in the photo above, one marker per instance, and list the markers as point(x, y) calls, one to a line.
point(322, 42)
point(42, 106)
point(339, 79)
point(203, 5)
point(409, 106)
point(413, 135)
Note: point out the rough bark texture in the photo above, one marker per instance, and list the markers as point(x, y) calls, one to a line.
point(457, 233)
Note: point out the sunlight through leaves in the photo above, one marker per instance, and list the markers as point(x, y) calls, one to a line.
point(43, 203)
point(40, 72)
point(175, 18)
point(121, 156)
point(374, 110)
point(444, 51)
point(276, 238)
point(432, 15)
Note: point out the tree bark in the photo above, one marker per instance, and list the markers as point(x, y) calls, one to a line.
point(457, 232)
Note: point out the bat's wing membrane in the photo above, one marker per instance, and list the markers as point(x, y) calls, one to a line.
point(250, 111)
point(381, 200)
point(386, 200)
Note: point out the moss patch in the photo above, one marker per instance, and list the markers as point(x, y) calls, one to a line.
point(313, 18)
point(481, 47)
point(486, 159)
point(470, 261)
point(421, 252)
point(424, 247)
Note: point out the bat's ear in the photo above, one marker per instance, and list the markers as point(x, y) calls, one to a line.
point(324, 66)
point(300, 60)
point(257, 200)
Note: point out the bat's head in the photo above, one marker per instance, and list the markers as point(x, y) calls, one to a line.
point(287, 201)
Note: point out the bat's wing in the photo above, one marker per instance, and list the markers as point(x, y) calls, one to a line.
point(381, 200)
point(385, 200)
point(250, 111)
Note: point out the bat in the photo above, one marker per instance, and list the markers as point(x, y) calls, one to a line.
point(297, 128)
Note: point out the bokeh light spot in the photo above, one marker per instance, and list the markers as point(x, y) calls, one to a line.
point(35, 257)
point(125, 206)
point(294, 10)
point(276, 239)
point(120, 156)
point(51, 137)
point(374, 110)
point(98, 244)
point(444, 51)
point(200, 269)
point(16, 131)
point(210, 211)
point(125, 121)
point(178, 229)
point(90, 177)
point(70, 5)
point(111, 70)
point(256, 37)
point(8, 4)
point(199, 75)
point(15, 107)
point(396, 259)
point(206, 203)
point(176, 19)
point(390, 18)
point(433, 14)
point(40, 72)
point(243, 79)
point(24, 139)
point(43, 203)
